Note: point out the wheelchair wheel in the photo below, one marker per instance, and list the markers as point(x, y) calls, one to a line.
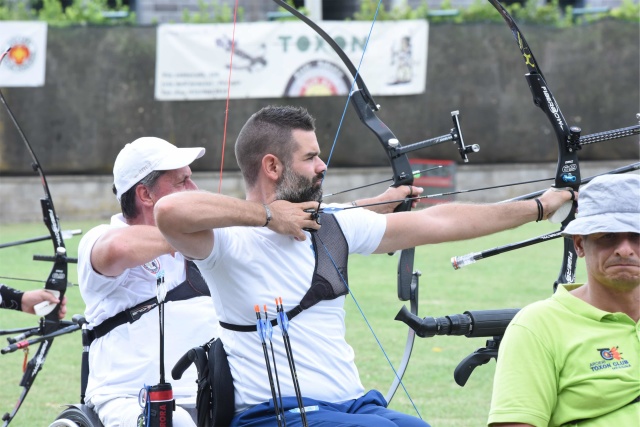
point(77, 416)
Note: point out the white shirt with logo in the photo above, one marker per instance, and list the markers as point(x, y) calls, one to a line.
point(127, 358)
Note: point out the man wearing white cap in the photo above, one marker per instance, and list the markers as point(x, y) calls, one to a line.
point(574, 359)
point(117, 269)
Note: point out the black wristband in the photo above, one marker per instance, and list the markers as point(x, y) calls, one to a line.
point(10, 298)
point(268, 211)
point(540, 210)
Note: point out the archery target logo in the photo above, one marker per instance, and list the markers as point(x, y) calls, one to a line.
point(610, 359)
point(610, 353)
point(22, 53)
point(318, 78)
point(152, 267)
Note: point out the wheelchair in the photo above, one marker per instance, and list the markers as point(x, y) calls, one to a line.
point(79, 414)
point(215, 400)
point(215, 397)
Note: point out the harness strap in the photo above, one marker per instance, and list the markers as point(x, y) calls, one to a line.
point(194, 286)
point(253, 328)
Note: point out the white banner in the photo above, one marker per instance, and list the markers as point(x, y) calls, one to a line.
point(287, 59)
point(25, 63)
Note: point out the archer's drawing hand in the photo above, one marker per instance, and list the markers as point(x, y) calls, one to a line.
point(396, 193)
point(291, 218)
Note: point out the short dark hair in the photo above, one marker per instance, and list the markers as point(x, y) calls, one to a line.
point(128, 198)
point(269, 132)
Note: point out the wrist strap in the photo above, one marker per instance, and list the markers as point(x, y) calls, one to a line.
point(540, 210)
point(268, 211)
point(10, 298)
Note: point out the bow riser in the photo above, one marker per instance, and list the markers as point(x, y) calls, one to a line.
point(406, 275)
point(567, 170)
point(58, 277)
point(402, 171)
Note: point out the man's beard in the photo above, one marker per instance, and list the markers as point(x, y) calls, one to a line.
point(296, 188)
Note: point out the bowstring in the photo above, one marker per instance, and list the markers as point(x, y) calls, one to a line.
point(353, 84)
point(333, 146)
point(395, 372)
point(226, 110)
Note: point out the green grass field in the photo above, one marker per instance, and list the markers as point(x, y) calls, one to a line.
point(509, 280)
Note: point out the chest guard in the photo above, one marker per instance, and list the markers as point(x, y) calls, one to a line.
point(329, 280)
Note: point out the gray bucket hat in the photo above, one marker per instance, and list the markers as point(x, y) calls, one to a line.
point(608, 204)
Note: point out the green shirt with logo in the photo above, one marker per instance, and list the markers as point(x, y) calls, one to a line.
point(563, 362)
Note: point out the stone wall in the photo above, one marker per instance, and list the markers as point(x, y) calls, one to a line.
point(89, 197)
point(99, 95)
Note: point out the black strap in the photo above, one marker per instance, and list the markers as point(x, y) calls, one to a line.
point(194, 286)
point(253, 328)
point(10, 298)
point(127, 316)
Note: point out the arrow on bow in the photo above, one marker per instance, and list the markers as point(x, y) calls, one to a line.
point(403, 174)
point(460, 261)
point(57, 280)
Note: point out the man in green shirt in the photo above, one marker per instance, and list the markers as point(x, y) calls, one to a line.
point(574, 359)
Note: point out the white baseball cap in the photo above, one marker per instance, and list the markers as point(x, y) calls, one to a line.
point(145, 155)
point(608, 204)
